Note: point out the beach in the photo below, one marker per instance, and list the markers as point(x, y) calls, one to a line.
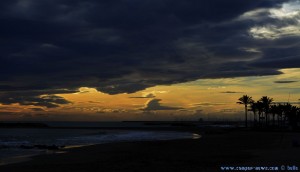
point(216, 148)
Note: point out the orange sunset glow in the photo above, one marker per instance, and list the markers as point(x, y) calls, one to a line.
point(207, 99)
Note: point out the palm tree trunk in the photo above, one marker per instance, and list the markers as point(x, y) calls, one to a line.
point(258, 118)
point(254, 118)
point(266, 114)
point(246, 123)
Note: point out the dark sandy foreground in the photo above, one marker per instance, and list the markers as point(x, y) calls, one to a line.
point(213, 150)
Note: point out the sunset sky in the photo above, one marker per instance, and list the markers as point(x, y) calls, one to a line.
point(94, 60)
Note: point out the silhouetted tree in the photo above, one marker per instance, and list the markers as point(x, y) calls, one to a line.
point(260, 109)
point(287, 114)
point(245, 100)
point(291, 115)
point(253, 108)
point(286, 111)
point(266, 101)
point(274, 111)
point(280, 109)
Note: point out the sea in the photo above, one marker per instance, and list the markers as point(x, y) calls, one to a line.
point(17, 144)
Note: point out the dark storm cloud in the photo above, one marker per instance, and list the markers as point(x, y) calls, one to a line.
point(32, 98)
point(284, 82)
point(124, 46)
point(231, 92)
point(279, 61)
point(154, 105)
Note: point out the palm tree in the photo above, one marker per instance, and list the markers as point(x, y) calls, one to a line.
point(290, 112)
point(273, 110)
point(253, 108)
point(245, 100)
point(260, 108)
point(298, 117)
point(293, 117)
point(266, 103)
point(280, 109)
point(286, 111)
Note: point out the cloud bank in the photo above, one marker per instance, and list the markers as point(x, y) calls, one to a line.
point(154, 105)
point(284, 82)
point(123, 46)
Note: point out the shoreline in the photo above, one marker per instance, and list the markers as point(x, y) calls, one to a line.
point(67, 148)
point(215, 149)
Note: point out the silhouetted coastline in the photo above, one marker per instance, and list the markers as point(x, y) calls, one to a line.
point(22, 125)
point(218, 147)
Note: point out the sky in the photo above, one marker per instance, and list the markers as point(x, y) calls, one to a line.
point(116, 60)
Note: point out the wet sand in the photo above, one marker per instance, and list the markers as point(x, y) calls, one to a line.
point(209, 153)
